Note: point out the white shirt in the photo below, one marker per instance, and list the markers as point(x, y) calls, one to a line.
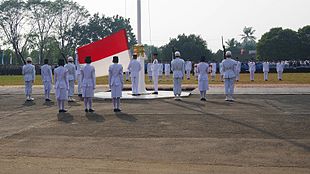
point(46, 73)
point(202, 69)
point(134, 68)
point(155, 68)
point(280, 67)
point(252, 67)
point(29, 72)
point(61, 77)
point(229, 68)
point(238, 67)
point(115, 74)
point(188, 65)
point(71, 71)
point(88, 76)
point(266, 67)
point(178, 67)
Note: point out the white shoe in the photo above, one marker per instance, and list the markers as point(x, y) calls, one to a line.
point(226, 99)
point(31, 99)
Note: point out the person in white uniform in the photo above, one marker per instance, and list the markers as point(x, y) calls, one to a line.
point(229, 75)
point(161, 70)
point(280, 69)
point(188, 69)
point(79, 79)
point(213, 71)
point(221, 71)
point(47, 78)
point(203, 82)
point(149, 71)
point(71, 76)
point(61, 85)
point(252, 69)
point(195, 71)
point(29, 73)
point(238, 69)
point(88, 76)
point(127, 74)
point(134, 68)
point(266, 70)
point(116, 83)
point(155, 71)
point(167, 70)
point(178, 69)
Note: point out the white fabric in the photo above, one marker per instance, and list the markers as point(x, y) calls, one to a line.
point(47, 76)
point(177, 86)
point(252, 69)
point(71, 71)
point(61, 83)
point(160, 69)
point(29, 72)
point(134, 68)
point(229, 68)
point(266, 67)
point(88, 76)
point(167, 70)
point(178, 67)
point(265, 75)
point(203, 82)
point(155, 70)
point(116, 80)
point(149, 69)
point(229, 84)
point(213, 69)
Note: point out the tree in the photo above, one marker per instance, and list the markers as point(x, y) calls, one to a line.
point(247, 38)
point(43, 15)
point(304, 36)
point(13, 20)
point(279, 44)
point(232, 43)
point(192, 47)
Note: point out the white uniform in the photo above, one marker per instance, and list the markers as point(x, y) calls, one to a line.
point(29, 73)
point(252, 69)
point(88, 81)
point(188, 69)
point(203, 82)
point(195, 71)
point(46, 74)
point(149, 71)
point(178, 69)
point(134, 67)
point(238, 70)
point(280, 68)
point(167, 70)
point(116, 80)
point(229, 75)
point(213, 72)
point(79, 79)
point(221, 71)
point(155, 71)
point(266, 70)
point(61, 83)
point(71, 77)
point(161, 70)
point(127, 75)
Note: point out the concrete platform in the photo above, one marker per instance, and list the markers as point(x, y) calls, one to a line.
point(127, 95)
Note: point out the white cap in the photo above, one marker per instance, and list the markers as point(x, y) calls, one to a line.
point(70, 59)
point(177, 54)
point(228, 53)
point(28, 59)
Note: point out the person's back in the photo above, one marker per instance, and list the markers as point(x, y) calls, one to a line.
point(116, 74)
point(29, 72)
point(178, 67)
point(46, 73)
point(134, 68)
point(71, 71)
point(61, 77)
point(229, 67)
point(88, 75)
point(265, 67)
point(202, 68)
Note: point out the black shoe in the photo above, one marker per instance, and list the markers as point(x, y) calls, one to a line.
point(156, 93)
point(203, 99)
point(48, 100)
point(60, 111)
point(80, 95)
point(64, 110)
point(91, 110)
point(86, 110)
point(115, 110)
point(118, 110)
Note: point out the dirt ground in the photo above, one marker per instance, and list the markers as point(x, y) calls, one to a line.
point(255, 134)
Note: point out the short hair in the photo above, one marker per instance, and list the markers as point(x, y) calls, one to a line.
point(115, 59)
point(45, 61)
point(155, 54)
point(202, 59)
point(61, 62)
point(88, 59)
point(134, 56)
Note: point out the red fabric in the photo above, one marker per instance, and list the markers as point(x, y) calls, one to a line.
point(111, 45)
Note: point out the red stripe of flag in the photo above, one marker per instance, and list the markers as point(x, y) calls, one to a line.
point(104, 48)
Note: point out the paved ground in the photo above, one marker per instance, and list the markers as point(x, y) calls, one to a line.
point(255, 134)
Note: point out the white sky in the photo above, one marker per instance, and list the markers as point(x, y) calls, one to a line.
point(210, 19)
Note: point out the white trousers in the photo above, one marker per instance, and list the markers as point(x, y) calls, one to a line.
point(252, 75)
point(134, 84)
point(280, 73)
point(71, 88)
point(47, 89)
point(79, 84)
point(155, 80)
point(229, 86)
point(177, 86)
point(265, 75)
point(188, 74)
point(28, 88)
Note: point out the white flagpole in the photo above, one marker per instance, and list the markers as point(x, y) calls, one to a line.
point(141, 85)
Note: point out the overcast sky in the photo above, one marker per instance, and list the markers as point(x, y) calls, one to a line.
point(210, 19)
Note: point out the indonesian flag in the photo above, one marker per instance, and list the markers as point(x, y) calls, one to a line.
point(102, 52)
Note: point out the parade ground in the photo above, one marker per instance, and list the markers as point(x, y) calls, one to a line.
point(258, 133)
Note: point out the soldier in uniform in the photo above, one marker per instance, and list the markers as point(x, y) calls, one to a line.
point(134, 68)
point(252, 69)
point(116, 83)
point(188, 69)
point(155, 71)
point(266, 70)
point(71, 76)
point(280, 68)
point(88, 84)
point(61, 85)
point(46, 74)
point(203, 82)
point(29, 73)
point(167, 70)
point(229, 75)
point(213, 71)
point(79, 79)
point(178, 69)
point(149, 71)
point(238, 69)
point(221, 71)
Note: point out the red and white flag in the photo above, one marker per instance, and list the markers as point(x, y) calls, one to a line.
point(102, 52)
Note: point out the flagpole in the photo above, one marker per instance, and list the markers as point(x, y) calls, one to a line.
point(141, 85)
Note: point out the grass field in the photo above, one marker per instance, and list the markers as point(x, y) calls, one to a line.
point(288, 78)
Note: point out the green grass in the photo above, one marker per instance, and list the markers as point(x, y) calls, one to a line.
point(288, 78)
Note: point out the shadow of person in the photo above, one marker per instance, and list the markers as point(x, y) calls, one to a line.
point(48, 103)
point(73, 104)
point(95, 117)
point(125, 117)
point(65, 117)
point(29, 103)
